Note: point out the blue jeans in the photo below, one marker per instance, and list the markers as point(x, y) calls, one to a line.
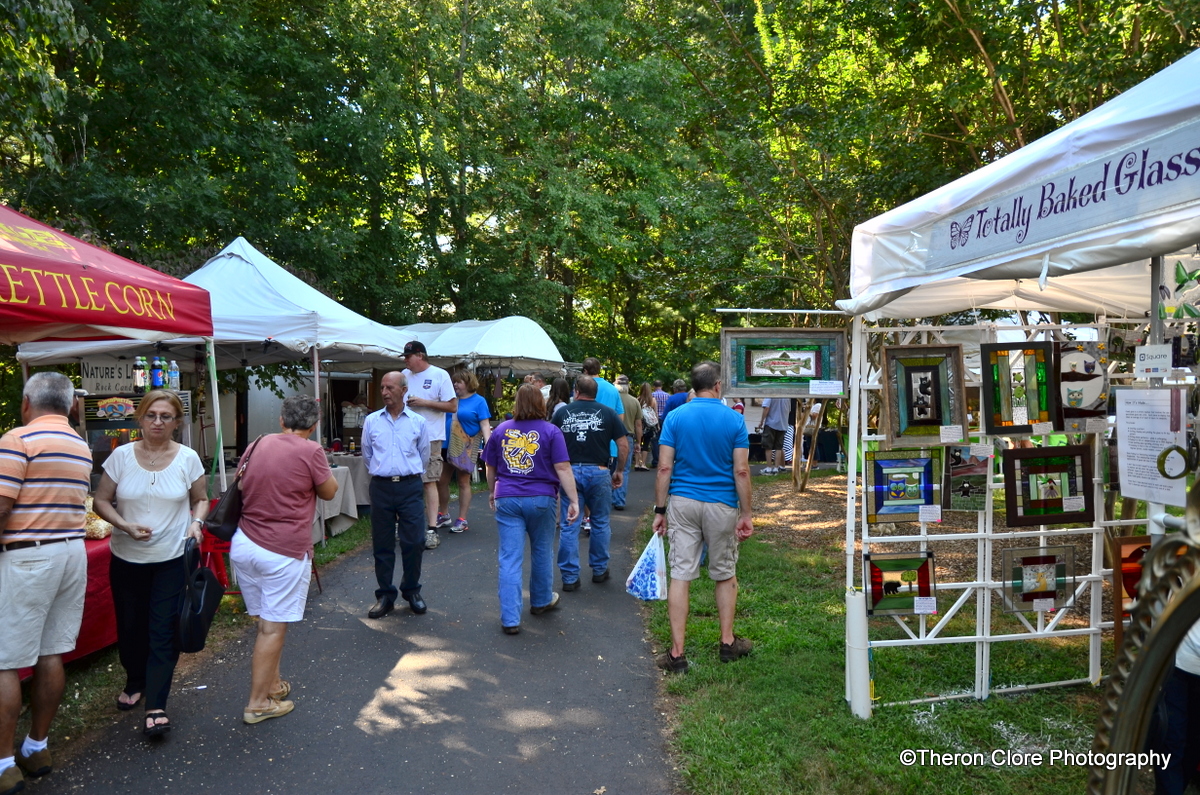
point(517, 517)
point(594, 486)
point(618, 495)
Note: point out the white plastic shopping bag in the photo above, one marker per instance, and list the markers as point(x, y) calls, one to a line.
point(648, 580)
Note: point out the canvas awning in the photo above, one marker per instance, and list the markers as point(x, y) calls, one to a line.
point(515, 342)
point(58, 286)
point(1117, 185)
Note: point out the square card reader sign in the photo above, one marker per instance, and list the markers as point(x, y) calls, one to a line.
point(1152, 361)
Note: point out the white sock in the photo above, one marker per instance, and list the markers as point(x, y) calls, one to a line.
point(32, 746)
point(6, 763)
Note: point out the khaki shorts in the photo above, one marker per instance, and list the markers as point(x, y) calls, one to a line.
point(433, 472)
point(41, 601)
point(690, 525)
point(772, 439)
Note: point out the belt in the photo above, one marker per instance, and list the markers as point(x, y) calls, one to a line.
point(394, 478)
point(13, 546)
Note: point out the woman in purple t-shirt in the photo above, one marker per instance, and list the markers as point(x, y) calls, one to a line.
point(527, 461)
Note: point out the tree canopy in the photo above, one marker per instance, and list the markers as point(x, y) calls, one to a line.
point(613, 169)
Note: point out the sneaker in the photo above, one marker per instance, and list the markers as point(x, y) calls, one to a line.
point(460, 526)
point(736, 650)
point(673, 665)
point(443, 520)
point(587, 527)
point(601, 577)
point(36, 764)
point(571, 586)
point(277, 710)
point(431, 538)
point(11, 780)
point(537, 611)
point(768, 471)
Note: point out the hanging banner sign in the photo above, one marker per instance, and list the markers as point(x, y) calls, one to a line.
point(107, 376)
point(1158, 173)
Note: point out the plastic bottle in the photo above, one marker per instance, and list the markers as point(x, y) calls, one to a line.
point(173, 376)
point(353, 447)
point(156, 374)
point(139, 375)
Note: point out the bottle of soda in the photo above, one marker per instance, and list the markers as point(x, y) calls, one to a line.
point(156, 374)
point(173, 376)
point(139, 375)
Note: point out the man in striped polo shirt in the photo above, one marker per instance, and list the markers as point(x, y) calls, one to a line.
point(45, 472)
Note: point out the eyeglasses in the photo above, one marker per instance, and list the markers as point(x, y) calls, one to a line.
point(163, 418)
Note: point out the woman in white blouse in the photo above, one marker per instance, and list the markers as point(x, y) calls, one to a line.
point(153, 492)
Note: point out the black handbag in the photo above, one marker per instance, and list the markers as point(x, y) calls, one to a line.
point(222, 521)
point(201, 597)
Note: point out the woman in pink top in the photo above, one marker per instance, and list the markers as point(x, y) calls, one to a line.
point(272, 550)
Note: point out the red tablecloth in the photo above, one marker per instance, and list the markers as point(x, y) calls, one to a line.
point(99, 628)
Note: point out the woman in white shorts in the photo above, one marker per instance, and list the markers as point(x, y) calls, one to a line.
point(272, 550)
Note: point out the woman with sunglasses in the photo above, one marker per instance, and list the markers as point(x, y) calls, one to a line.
point(153, 493)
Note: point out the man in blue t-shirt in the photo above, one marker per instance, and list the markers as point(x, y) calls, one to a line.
point(704, 464)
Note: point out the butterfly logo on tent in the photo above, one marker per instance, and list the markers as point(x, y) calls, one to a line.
point(959, 234)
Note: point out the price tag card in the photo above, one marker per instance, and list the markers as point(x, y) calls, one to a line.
point(982, 450)
point(952, 433)
point(1096, 425)
point(1043, 605)
point(927, 605)
point(931, 513)
point(1072, 504)
point(833, 388)
point(1043, 428)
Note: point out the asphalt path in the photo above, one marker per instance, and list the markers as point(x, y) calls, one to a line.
point(439, 703)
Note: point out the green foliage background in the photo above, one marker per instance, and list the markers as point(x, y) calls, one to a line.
point(613, 169)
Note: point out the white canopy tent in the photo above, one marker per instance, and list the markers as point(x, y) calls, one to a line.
point(514, 342)
point(1115, 186)
point(261, 315)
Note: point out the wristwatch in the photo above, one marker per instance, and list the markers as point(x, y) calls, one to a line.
point(660, 509)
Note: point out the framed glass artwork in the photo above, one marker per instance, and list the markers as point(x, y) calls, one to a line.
point(783, 362)
point(1020, 386)
point(898, 581)
point(1082, 383)
point(966, 483)
point(1048, 485)
point(1037, 578)
point(922, 391)
point(899, 482)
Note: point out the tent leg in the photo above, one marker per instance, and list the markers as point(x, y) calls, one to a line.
point(316, 365)
point(214, 397)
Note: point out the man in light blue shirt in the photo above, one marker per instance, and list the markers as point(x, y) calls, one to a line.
point(396, 450)
point(704, 465)
point(606, 394)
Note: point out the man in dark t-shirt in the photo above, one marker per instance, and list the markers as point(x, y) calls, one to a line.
point(589, 427)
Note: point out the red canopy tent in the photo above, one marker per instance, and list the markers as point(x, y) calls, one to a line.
point(54, 285)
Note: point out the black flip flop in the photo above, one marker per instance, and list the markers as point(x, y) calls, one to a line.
point(121, 705)
point(155, 729)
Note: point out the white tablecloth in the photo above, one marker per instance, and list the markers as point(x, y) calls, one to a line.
point(358, 474)
point(341, 512)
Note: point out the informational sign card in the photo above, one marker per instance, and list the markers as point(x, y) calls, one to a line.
point(1151, 433)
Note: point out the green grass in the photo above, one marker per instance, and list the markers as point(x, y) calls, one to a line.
point(777, 721)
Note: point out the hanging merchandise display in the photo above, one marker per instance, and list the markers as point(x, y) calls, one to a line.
point(1020, 387)
point(900, 583)
point(1040, 579)
point(899, 482)
point(783, 362)
point(967, 476)
point(1083, 383)
point(923, 393)
point(1048, 485)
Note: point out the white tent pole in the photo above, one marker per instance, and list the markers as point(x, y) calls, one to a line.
point(214, 398)
point(1155, 530)
point(316, 365)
